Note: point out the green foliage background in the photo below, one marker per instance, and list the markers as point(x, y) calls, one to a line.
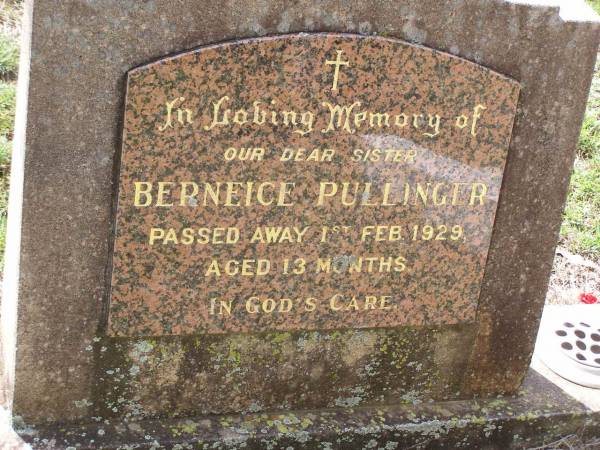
point(580, 231)
point(10, 14)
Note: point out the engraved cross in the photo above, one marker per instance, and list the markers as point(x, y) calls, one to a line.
point(337, 63)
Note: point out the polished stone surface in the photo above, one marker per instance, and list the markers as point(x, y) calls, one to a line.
point(310, 181)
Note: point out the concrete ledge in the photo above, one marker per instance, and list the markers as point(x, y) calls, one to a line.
point(540, 414)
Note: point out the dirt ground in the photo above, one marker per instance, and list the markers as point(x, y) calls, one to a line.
point(571, 276)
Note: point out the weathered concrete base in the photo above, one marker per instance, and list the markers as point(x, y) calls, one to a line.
point(540, 414)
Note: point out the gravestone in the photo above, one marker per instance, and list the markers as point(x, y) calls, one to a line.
point(275, 225)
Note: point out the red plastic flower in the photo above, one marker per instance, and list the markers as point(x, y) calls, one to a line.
point(588, 298)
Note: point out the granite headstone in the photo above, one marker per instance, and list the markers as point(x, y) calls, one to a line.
point(224, 215)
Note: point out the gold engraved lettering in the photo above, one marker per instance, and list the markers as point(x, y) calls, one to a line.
point(223, 308)
point(163, 191)
point(351, 194)
point(339, 116)
point(234, 267)
point(180, 114)
point(478, 192)
point(476, 115)
point(336, 71)
point(229, 193)
point(142, 190)
point(301, 121)
point(278, 235)
point(355, 303)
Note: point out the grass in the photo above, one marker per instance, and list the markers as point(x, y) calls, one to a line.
point(581, 224)
point(595, 4)
point(10, 13)
point(580, 231)
point(589, 137)
point(7, 108)
point(9, 56)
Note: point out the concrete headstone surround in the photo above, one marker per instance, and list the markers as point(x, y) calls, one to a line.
point(66, 159)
